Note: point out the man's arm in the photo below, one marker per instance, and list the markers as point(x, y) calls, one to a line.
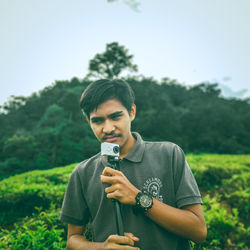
point(75, 241)
point(187, 222)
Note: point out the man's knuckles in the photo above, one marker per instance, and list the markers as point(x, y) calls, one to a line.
point(110, 171)
point(112, 188)
point(120, 240)
point(111, 179)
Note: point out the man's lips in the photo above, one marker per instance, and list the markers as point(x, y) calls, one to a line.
point(110, 138)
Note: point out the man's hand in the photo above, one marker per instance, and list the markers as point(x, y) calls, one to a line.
point(121, 242)
point(77, 241)
point(121, 188)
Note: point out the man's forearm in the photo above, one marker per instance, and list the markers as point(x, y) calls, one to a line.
point(79, 242)
point(183, 222)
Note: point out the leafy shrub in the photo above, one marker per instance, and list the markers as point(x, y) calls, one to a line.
point(42, 231)
point(225, 191)
point(241, 200)
point(23, 206)
point(225, 231)
point(211, 170)
point(19, 195)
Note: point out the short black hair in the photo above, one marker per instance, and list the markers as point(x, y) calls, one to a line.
point(103, 90)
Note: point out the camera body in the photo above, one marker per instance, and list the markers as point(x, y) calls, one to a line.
point(110, 149)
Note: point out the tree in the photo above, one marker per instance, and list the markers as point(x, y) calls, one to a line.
point(13, 103)
point(50, 130)
point(112, 62)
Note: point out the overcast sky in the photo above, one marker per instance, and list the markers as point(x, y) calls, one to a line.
point(189, 40)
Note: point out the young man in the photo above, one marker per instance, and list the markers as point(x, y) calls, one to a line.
point(170, 212)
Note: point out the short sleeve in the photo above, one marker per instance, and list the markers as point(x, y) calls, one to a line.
point(186, 189)
point(74, 208)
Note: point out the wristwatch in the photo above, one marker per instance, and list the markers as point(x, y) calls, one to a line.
point(144, 201)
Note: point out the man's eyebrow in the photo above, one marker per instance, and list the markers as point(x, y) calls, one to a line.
point(101, 118)
point(115, 114)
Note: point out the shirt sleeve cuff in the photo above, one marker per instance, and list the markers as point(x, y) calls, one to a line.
point(69, 220)
point(189, 201)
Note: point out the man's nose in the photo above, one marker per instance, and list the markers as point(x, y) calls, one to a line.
point(108, 127)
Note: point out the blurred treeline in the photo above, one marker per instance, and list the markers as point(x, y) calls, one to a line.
point(48, 129)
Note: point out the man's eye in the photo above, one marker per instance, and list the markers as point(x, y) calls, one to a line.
point(97, 121)
point(115, 117)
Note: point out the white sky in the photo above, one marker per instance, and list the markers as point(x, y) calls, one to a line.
point(189, 40)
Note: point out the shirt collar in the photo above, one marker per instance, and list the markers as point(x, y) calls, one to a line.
point(135, 154)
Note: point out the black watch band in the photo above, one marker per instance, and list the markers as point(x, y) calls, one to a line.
point(144, 201)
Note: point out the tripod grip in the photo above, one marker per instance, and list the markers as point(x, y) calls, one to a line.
point(119, 222)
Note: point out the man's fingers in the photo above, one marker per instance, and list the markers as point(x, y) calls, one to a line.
point(111, 189)
point(108, 171)
point(108, 179)
point(131, 236)
point(111, 179)
point(114, 195)
point(125, 240)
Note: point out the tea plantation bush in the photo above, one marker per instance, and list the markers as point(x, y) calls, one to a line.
point(41, 231)
point(30, 204)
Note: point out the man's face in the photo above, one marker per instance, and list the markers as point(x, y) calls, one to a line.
point(111, 122)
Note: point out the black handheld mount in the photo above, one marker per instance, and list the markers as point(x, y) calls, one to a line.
point(112, 152)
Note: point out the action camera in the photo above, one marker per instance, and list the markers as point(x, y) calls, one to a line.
point(110, 149)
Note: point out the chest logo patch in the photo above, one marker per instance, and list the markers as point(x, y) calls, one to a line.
point(153, 186)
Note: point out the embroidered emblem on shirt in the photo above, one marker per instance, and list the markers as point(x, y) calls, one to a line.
point(153, 186)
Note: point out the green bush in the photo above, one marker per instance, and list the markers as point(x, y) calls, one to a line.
point(19, 195)
point(210, 170)
point(41, 231)
point(225, 231)
point(223, 180)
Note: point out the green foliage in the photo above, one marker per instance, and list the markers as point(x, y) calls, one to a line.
point(228, 175)
point(238, 194)
point(41, 231)
point(45, 131)
point(225, 231)
point(112, 62)
point(211, 171)
point(48, 129)
point(19, 195)
point(224, 181)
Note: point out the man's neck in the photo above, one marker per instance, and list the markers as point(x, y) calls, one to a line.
point(128, 147)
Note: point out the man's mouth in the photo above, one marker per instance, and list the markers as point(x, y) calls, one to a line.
point(110, 138)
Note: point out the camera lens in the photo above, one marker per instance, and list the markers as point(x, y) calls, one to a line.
point(116, 149)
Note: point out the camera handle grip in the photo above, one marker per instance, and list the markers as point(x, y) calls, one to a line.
point(114, 163)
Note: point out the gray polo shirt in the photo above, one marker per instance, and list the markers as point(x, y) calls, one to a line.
point(157, 167)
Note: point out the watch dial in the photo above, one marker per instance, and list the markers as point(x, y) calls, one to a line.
point(145, 200)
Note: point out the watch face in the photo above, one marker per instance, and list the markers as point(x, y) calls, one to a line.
point(145, 200)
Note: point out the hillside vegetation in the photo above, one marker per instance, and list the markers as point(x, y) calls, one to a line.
point(30, 204)
point(48, 129)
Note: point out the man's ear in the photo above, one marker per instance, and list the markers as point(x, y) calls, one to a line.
point(87, 119)
point(132, 112)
